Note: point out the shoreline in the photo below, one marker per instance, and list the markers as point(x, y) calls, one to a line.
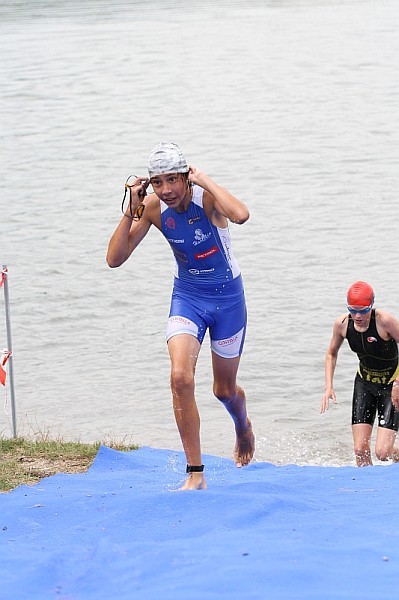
point(28, 461)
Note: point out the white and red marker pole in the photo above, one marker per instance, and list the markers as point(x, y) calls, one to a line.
point(8, 352)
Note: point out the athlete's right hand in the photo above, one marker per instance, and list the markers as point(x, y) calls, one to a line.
point(329, 394)
point(137, 190)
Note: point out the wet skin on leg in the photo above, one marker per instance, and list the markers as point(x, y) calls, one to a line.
point(361, 444)
point(183, 351)
point(384, 444)
point(232, 396)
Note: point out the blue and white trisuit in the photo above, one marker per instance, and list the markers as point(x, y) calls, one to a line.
point(208, 291)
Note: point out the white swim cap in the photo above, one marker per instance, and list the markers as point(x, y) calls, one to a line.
point(166, 158)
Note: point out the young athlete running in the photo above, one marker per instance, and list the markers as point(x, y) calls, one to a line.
point(192, 212)
point(373, 334)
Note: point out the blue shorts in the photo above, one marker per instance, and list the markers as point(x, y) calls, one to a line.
point(224, 314)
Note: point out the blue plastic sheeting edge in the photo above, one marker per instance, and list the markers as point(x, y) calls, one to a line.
point(122, 531)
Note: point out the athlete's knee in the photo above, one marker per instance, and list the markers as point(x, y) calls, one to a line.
point(362, 453)
point(226, 392)
point(363, 460)
point(362, 448)
point(383, 454)
point(181, 380)
point(384, 451)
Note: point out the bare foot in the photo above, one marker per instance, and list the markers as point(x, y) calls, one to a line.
point(195, 481)
point(245, 447)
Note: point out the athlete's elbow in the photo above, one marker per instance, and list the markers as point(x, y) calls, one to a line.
point(112, 264)
point(113, 261)
point(242, 216)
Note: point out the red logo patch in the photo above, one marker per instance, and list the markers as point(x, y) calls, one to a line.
point(206, 253)
point(170, 223)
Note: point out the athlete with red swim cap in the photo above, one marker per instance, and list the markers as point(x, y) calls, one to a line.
point(374, 335)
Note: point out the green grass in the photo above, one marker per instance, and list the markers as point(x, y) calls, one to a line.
point(27, 461)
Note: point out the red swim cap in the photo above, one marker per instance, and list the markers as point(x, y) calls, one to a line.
point(360, 294)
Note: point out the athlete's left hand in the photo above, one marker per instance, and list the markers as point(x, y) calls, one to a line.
point(196, 176)
point(395, 396)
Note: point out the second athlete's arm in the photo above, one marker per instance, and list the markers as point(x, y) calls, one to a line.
point(336, 342)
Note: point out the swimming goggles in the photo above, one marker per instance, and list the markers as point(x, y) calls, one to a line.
point(356, 311)
point(138, 213)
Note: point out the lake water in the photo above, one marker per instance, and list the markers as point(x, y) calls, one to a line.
point(292, 105)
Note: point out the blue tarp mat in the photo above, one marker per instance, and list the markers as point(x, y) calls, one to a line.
point(120, 531)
